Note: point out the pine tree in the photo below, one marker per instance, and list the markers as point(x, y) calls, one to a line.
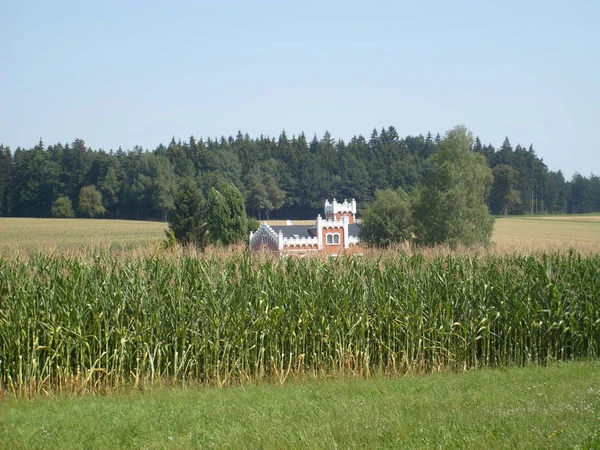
point(5, 172)
point(503, 194)
point(186, 222)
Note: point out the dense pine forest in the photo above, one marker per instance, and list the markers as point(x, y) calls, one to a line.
point(285, 177)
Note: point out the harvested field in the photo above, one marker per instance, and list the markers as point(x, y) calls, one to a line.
point(48, 234)
point(548, 232)
point(512, 234)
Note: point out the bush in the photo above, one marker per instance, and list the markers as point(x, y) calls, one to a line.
point(90, 202)
point(62, 208)
point(388, 219)
point(253, 224)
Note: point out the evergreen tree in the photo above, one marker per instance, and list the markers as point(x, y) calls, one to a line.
point(186, 221)
point(582, 199)
point(275, 195)
point(165, 186)
point(429, 147)
point(477, 147)
point(110, 187)
point(503, 195)
point(505, 154)
point(5, 172)
point(258, 198)
point(354, 177)
point(34, 183)
point(237, 209)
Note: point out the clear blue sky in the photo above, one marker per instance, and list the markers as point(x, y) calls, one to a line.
point(139, 72)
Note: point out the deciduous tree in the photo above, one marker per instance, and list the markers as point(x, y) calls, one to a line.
point(388, 219)
point(226, 218)
point(451, 206)
point(90, 202)
point(63, 208)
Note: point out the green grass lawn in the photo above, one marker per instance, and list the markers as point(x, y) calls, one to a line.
point(533, 407)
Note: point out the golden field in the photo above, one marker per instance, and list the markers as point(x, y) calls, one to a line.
point(548, 231)
point(50, 234)
point(539, 233)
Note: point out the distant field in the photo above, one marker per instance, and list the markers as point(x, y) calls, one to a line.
point(548, 231)
point(539, 232)
point(47, 234)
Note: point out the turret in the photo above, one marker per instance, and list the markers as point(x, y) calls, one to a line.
point(335, 210)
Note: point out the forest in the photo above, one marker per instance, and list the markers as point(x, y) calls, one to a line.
point(284, 177)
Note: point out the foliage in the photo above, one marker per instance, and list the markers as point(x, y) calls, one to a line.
point(186, 222)
point(280, 177)
point(5, 173)
point(224, 319)
point(264, 195)
point(63, 208)
point(503, 195)
point(253, 224)
point(388, 219)
point(226, 218)
point(90, 202)
point(451, 204)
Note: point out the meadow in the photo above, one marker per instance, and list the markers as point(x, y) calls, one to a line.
point(553, 407)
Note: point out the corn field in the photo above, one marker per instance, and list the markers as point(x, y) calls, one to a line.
point(70, 325)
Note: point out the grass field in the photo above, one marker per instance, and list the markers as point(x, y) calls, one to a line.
point(532, 407)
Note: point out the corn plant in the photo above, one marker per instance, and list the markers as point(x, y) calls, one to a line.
point(71, 325)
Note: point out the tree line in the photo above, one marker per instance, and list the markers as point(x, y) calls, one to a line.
point(448, 206)
point(277, 177)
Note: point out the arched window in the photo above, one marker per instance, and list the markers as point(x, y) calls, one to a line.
point(332, 239)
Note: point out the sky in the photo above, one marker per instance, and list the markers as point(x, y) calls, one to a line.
point(125, 73)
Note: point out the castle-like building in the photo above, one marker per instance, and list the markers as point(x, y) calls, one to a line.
point(335, 234)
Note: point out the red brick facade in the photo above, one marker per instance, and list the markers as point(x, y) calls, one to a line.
point(336, 234)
